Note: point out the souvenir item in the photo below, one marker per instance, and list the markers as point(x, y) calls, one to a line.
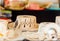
point(49, 32)
point(26, 22)
point(15, 4)
point(57, 21)
point(37, 5)
point(5, 14)
point(3, 28)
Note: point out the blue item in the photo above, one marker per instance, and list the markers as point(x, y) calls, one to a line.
point(54, 7)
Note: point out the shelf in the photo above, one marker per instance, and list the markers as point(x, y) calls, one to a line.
point(42, 16)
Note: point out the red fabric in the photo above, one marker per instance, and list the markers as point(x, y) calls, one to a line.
point(4, 18)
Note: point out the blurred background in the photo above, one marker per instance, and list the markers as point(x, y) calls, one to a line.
point(46, 15)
